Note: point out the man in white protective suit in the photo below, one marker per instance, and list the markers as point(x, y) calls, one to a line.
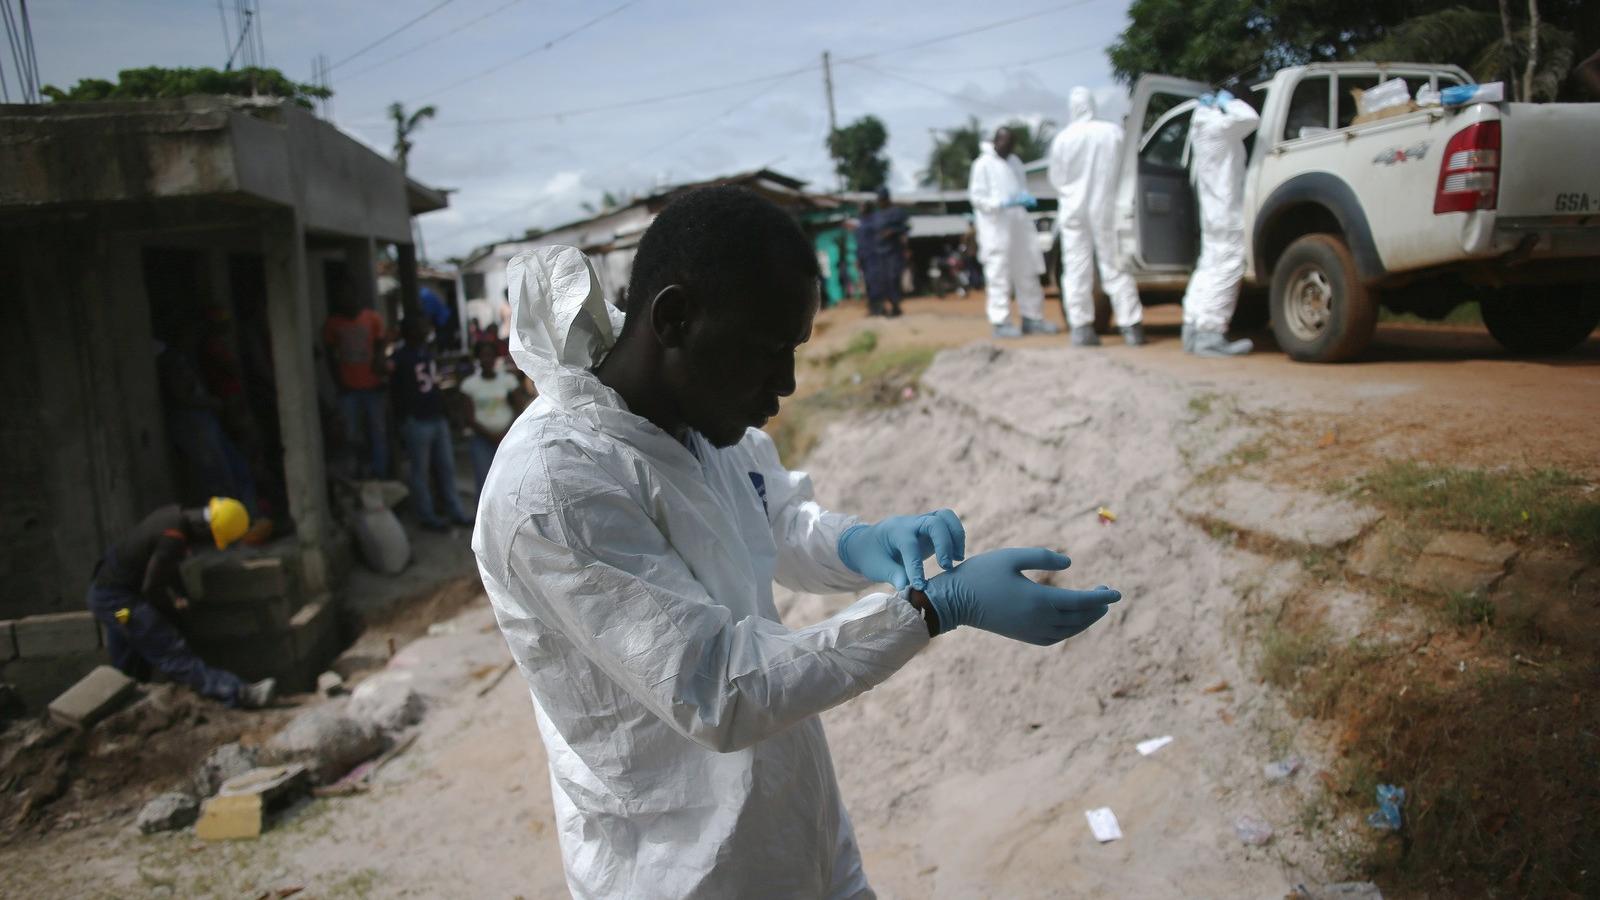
point(1084, 159)
point(1008, 244)
point(629, 534)
point(1217, 131)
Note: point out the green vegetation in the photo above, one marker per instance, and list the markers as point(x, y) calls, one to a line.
point(857, 151)
point(1543, 503)
point(156, 82)
point(1465, 314)
point(861, 377)
point(1468, 608)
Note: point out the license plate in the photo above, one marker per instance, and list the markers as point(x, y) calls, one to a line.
point(1577, 202)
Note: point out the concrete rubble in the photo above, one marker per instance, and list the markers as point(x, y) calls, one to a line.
point(240, 809)
point(1459, 562)
point(1281, 514)
point(388, 702)
point(94, 696)
point(168, 812)
point(225, 762)
point(328, 739)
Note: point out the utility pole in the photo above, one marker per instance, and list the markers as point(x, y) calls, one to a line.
point(827, 85)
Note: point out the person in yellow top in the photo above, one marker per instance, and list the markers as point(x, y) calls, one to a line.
point(137, 589)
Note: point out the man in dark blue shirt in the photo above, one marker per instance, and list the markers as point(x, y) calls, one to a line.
point(419, 402)
point(892, 227)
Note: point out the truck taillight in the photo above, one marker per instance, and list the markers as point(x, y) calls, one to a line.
point(1469, 176)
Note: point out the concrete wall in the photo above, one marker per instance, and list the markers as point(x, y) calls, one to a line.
point(81, 442)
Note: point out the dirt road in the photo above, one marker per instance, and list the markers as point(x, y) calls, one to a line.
point(968, 773)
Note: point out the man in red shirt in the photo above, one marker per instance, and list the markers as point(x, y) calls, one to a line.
point(355, 342)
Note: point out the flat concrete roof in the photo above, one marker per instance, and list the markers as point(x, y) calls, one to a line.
point(252, 151)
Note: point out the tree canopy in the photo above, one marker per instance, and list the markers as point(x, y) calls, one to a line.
point(857, 151)
point(1226, 41)
point(156, 82)
point(950, 159)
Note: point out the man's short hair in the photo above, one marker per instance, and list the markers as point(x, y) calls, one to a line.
point(723, 243)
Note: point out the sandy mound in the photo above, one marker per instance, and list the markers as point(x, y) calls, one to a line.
point(969, 772)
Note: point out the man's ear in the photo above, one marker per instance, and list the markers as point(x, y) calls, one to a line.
point(669, 315)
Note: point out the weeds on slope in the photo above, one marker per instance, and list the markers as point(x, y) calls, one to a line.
point(1486, 715)
point(860, 377)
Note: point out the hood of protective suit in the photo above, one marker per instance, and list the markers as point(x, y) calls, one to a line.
point(1081, 102)
point(986, 148)
point(560, 318)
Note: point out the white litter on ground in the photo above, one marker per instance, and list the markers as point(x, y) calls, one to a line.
point(1103, 822)
point(1146, 748)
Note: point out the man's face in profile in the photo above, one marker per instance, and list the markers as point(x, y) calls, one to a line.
point(738, 357)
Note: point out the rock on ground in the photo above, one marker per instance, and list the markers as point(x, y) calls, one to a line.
point(387, 702)
point(221, 764)
point(168, 812)
point(327, 738)
point(1283, 514)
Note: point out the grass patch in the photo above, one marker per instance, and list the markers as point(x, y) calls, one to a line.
point(1465, 314)
point(1543, 503)
point(866, 378)
point(1465, 609)
point(1502, 774)
point(1200, 404)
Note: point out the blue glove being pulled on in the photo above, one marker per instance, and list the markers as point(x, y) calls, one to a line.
point(892, 551)
point(1224, 97)
point(1027, 200)
point(990, 592)
point(1206, 99)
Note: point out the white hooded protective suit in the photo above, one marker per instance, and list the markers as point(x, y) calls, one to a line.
point(632, 577)
point(1216, 165)
point(1008, 244)
point(1084, 160)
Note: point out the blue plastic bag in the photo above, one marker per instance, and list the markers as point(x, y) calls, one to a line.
point(1391, 801)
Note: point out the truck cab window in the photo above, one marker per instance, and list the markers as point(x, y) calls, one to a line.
point(1163, 145)
point(1308, 109)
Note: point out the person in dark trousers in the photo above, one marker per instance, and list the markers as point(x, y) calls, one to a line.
point(419, 401)
point(867, 256)
point(137, 591)
point(892, 225)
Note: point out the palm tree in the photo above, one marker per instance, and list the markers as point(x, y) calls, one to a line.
point(404, 125)
point(1533, 59)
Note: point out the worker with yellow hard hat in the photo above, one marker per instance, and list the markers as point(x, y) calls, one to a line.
point(137, 590)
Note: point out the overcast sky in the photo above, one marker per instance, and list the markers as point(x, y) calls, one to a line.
point(514, 164)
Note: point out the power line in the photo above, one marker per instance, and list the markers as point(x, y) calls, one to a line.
point(432, 41)
point(995, 67)
point(430, 11)
point(627, 104)
point(639, 158)
point(524, 55)
point(976, 29)
point(928, 87)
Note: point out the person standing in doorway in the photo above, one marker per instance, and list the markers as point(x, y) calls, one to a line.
point(1084, 159)
point(1007, 241)
point(490, 391)
point(1217, 131)
point(354, 336)
point(419, 401)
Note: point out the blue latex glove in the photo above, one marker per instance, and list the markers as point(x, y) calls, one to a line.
point(1028, 200)
point(1224, 97)
point(1207, 99)
point(892, 551)
point(990, 592)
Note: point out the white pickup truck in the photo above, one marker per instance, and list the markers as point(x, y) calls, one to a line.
point(1418, 212)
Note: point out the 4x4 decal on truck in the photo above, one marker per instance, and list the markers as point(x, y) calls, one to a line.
point(1392, 155)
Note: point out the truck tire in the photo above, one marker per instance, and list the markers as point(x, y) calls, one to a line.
point(1321, 310)
point(1544, 320)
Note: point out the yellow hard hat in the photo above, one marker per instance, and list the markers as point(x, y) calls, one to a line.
point(229, 520)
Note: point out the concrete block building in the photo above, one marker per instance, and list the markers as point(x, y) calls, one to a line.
point(128, 226)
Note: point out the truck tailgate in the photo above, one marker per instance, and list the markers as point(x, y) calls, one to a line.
point(1547, 159)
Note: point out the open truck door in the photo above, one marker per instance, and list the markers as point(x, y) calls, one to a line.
point(1155, 197)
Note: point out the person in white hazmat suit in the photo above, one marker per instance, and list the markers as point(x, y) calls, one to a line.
point(1084, 159)
point(628, 536)
point(1217, 131)
point(1008, 244)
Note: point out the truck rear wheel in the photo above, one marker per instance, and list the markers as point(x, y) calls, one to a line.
point(1321, 310)
point(1537, 321)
